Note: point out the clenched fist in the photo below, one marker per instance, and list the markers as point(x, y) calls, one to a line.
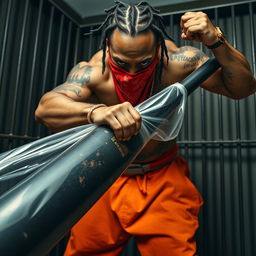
point(196, 26)
point(122, 118)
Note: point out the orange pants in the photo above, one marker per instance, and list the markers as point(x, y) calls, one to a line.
point(159, 208)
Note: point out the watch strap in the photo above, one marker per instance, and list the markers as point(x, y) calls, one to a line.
point(215, 45)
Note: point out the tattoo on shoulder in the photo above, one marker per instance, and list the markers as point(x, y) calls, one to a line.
point(80, 75)
point(189, 56)
point(69, 88)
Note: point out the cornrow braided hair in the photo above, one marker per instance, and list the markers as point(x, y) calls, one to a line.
point(133, 20)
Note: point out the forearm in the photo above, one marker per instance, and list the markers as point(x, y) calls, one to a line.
point(58, 112)
point(236, 73)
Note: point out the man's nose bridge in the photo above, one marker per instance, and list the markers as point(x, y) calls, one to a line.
point(133, 69)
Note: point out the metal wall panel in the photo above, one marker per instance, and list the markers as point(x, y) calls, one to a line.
point(38, 46)
point(35, 55)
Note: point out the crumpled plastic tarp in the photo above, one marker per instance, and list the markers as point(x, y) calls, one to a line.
point(24, 160)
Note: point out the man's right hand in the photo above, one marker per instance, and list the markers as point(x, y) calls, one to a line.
point(123, 118)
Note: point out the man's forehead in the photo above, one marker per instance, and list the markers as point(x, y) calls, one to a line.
point(117, 33)
point(121, 42)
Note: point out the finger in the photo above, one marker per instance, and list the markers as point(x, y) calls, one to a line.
point(128, 126)
point(132, 123)
point(116, 126)
point(196, 29)
point(192, 22)
point(137, 118)
point(194, 33)
point(187, 25)
point(193, 18)
point(133, 117)
point(185, 17)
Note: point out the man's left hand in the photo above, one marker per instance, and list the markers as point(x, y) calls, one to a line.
point(196, 26)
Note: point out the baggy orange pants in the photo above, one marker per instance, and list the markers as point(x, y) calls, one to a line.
point(160, 208)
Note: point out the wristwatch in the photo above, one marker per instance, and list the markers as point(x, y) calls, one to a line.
point(221, 38)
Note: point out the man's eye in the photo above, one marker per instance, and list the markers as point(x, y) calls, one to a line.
point(145, 63)
point(121, 63)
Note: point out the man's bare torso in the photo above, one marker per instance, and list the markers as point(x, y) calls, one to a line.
point(103, 91)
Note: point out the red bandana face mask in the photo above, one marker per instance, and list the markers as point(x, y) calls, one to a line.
point(132, 87)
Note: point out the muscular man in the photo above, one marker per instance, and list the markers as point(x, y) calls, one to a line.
point(159, 207)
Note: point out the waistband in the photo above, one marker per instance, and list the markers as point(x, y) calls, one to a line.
point(141, 169)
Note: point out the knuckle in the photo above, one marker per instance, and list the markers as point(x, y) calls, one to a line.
point(126, 126)
point(108, 114)
point(115, 107)
point(204, 24)
point(127, 104)
point(132, 123)
point(138, 118)
point(117, 128)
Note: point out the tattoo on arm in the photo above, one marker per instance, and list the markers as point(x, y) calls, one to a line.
point(189, 56)
point(68, 88)
point(80, 75)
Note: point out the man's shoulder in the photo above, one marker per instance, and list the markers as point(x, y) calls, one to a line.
point(182, 61)
point(184, 56)
point(90, 71)
point(187, 56)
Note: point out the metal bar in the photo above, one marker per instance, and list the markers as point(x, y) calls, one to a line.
point(67, 50)
point(222, 234)
point(252, 32)
point(76, 46)
point(253, 45)
point(14, 101)
point(249, 195)
point(58, 50)
point(12, 136)
point(186, 133)
point(217, 142)
point(47, 54)
point(239, 162)
point(3, 87)
point(171, 25)
point(31, 84)
point(4, 43)
point(203, 166)
point(90, 44)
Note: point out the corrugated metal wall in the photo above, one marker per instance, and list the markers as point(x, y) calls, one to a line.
point(38, 46)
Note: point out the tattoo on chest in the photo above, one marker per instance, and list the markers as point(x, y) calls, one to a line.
point(80, 75)
point(189, 56)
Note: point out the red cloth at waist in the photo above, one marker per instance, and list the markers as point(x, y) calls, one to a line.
point(165, 158)
point(143, 168)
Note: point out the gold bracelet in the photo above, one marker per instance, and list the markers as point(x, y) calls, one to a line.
point(91, 110)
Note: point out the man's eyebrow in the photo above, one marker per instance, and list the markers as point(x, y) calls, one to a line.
point(118, 59)
point(147, 59)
